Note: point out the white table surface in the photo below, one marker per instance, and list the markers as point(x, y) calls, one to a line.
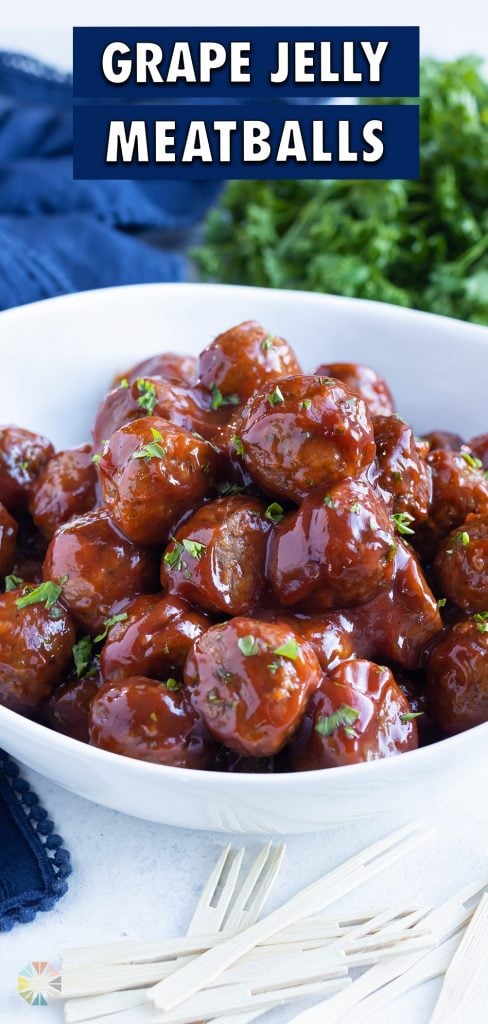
point(136, 878)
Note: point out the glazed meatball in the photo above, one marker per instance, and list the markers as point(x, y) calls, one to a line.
point(458, 488)
point(189, 408)
point(243, 360)
point(443, 439)
point(457, 673)
point(67, 709)
point(358, 714)
point(305, 433)
point(36, 639)
point(400, 470)
point(66, 487)
point(479, 447)
point(250, 682)
point(151, 472)
point(153, 640)
point(102, 568)
point(22, 456)
point(216, 560)
point(8, 541)
point(461, 566)
point(330, 636)
point(336, 550)
point(367, 383)
point(401, 621)
point(144, 719)
point(168, 365)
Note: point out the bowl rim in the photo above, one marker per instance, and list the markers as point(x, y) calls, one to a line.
point(368, 770)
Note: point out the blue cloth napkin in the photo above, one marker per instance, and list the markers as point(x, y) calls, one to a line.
point(34, 865)
point(58, 235)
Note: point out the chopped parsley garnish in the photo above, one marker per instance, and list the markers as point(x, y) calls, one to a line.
point(152, 450)
point(238, 445)
point(124, 383)
point(273, 667)
point(442, 602)
point(12, 582)
point(226, 489)
point(83, 656)
point(410, 715)
point(472, 461)
point(274, 512)
point(206, 441)
point(108, 623)
point(356, 508)
point(248, 645)
point(401, 521)
point(328, 500)
point(47, 593)
point(173, 684)
point(481, 619)
point(461, 537)
point(268, 342)
point(276, 396)
point(345, 716)
point(173, 557)
point(306, 403)
point(99, 455)
point(290, 649)
point(194, 548)
point(219, 399)
point(147, 395)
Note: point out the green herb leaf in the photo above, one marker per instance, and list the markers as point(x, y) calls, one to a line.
point(147, 395)
point(12, 582)
point(226, 489)
point(344, 716)
point(152, 450)
point(47, 593)
point(108, 623)
point(83, 655)
point(442, 602)
point(276, 396)
point(401, 521)
point(328, 500)
point(194, 548)
point(356, 509)
point(290, 649)
point(472, 461)
point(410, 715)
point(124, 383)
point(219, 399)
point(173, 684)
point(248, 645)
point(305, 403)
point(173, 558)
point(238, 445)
point(461, 537)
point(273, 667)
point(274, 512)
point(481, 619)
point(268, 342)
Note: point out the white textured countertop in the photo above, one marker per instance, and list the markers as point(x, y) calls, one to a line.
point(135, 878)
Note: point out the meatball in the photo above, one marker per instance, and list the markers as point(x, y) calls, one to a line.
point(459, 487)
point(141, 718)
point(36, 639)
point(250, 682)
point(330, 636)
point(66, 487)
point(399, 623)
point(8, 541)
point(102, 568)
point(461, 566)
point(216, 560)
point(153, 640)
point(22, 456)
point(305, 433)
point(368, 384)
point(479, 447)
point(358, 714)
point(336, 550)
point(168, 365)
point(151, 472)
point(400, 470)
point(443, 439)
point(67, 709)
point(243, 360)
point(457, 674)
point(188, 408)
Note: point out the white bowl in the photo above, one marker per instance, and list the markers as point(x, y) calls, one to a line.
point(57, 359)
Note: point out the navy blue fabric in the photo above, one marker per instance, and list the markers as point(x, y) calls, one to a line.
point(58, 235)
point(34, 865)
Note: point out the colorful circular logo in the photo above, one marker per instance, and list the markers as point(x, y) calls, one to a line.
point(38, 983)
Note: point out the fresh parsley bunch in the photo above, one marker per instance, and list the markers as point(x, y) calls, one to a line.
point(422, 244)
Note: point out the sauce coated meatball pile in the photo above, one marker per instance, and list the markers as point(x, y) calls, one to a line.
point(250, 568)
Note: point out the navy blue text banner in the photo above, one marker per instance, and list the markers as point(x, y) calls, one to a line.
point(256, 141)
point(135, 64)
